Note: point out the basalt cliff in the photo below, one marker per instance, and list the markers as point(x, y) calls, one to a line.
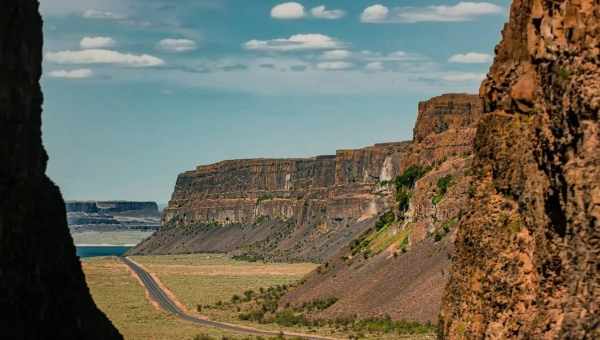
point(102, 216)
point(305, 209)
point(528, 246)
point(378, 218)
point(42, 288)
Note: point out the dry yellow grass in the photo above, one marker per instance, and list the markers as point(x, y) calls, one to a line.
point(206, 279)
point(119, 295)
point(194, 280)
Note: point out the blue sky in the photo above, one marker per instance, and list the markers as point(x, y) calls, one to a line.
point(137, 91)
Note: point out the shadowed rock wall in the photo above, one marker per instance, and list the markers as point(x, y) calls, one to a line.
point(42, 289)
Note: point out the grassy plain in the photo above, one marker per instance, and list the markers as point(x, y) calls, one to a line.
point(209, 278)
point(208, 281)
point(119, 295)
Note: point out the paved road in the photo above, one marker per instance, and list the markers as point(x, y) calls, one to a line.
point(165, 302)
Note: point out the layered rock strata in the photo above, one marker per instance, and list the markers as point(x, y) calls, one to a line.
point(43, 291)
point(305, 209)
point(112, 215)
point(527, 250)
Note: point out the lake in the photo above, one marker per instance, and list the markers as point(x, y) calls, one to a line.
point(93, 251)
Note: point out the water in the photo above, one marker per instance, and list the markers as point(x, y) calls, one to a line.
point(93, 251)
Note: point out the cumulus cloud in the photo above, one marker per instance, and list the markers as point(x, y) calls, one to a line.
point(463, 11)
point(321, 12)
point(296, 42)
point(81, 73)
point(97, 42)
point(100, 56)
point(374, 66)
point(335, 65)
point(471, 58)
point(336, 55)
point(375, 13)
point(288, 11)
point(102, 15)
point(463, 77)
point(177, 45)
point(392, 56)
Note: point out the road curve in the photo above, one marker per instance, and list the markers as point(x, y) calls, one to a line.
point(157, 294)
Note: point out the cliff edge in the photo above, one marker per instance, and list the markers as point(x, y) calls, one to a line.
point(43, 291)
point(526, 261)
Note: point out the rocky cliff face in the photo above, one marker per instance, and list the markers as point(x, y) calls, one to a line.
point(446, 112)
point(284, 209)
point(111, 206)
point(329, 209)
point(526, 262)
point(398, 267)
point(43, 289)
point(308, 209)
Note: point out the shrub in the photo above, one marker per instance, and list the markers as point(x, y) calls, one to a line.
point(288, 318)
point(236, 299)
point(444, 183)
point(262, 198)
point(248, 295)
point(403, 196)
point(442, 188)
point(385, 220)
point(203, 337)
point(410, 176)
point(253, 315)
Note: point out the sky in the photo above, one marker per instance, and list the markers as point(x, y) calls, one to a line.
point(138, 91)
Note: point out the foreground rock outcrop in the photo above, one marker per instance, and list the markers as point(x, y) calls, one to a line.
point(43, 291)
point(527, 250)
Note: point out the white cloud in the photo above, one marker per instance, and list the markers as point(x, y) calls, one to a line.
point(463, 77)
point(471, 58)
point(375, 13)
point(462, 11)
point(64, 7)
point(296, 42)
point(103, 15)
point(97, 42)
point(374, 66)
point(336, 55)
point(177, 45)
point(335, 65)
point(392, 56)
point(321, 12)
point(98, 56)
point(71, 74)
point(287, 11)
